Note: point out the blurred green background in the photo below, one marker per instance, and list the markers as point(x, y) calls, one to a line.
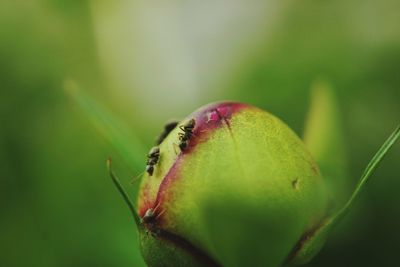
point(149, 61)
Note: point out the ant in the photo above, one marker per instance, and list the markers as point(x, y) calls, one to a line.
point(152, 159)
point(168, 127)
point(150, 218)
point(187, 134)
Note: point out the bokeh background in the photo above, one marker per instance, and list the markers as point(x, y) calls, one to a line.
point(149, 61)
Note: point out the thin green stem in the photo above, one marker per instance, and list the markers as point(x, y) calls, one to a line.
point(124, 195)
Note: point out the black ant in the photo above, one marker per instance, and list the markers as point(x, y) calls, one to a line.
point(152, 159)
point(150, 218)
point(168, 127)
point(184, 137)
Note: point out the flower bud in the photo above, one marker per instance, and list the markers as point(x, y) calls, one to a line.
point(233, 186)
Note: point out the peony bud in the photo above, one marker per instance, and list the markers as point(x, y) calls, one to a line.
point(233, 186)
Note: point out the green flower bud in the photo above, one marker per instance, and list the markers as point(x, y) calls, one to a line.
point(232, 186)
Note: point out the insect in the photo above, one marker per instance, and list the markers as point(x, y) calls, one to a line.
point(168, 127)
point(152, 159)
point(149, 219)
point(149, 216)
point(187, 134)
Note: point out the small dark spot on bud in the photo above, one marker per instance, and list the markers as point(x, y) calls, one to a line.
point(295, 183)
point(314, 168)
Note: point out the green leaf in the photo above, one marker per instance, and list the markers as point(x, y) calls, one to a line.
point(127, 144)
point(369, 170)
point(324, 138)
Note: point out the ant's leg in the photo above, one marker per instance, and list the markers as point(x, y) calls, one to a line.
point(159, 215)
point(175, 149)
point(156, 207)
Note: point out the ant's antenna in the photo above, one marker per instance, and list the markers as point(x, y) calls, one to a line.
point(124, 195)
point(134, 179)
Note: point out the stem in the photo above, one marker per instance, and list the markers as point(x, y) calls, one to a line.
point(124, 195)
